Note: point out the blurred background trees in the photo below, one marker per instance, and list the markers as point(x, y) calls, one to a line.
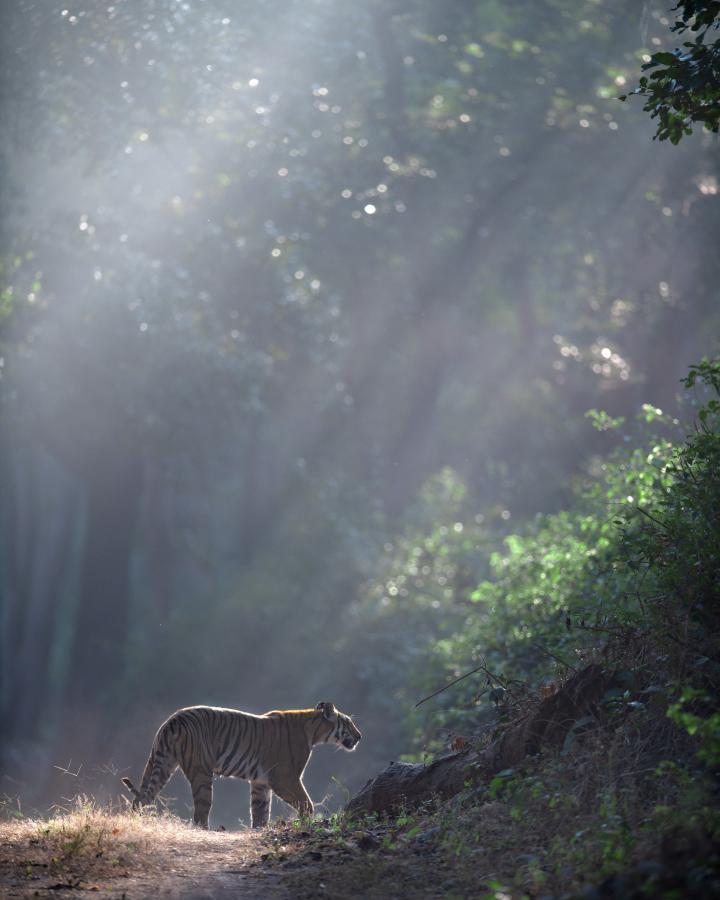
point(291, 291)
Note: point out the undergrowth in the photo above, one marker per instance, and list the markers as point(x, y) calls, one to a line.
point(628, 799)
point(628, 579)
point(625, 809)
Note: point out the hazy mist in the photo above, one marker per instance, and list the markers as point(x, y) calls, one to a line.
point(269, 267)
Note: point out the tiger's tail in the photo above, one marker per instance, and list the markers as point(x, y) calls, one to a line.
point(160, 766)
point(133, 790)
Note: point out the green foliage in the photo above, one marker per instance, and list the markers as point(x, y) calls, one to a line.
point(636, 559)
point(500, 783)
point(555, 825)
point(696, 712)
point(683, 87)
point(671, 541)
point(628, 575)
point(602, 421)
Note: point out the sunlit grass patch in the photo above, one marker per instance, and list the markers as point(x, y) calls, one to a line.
point(86, 844)
point(82, 843)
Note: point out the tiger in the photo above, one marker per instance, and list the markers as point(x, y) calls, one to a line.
point(270, 751)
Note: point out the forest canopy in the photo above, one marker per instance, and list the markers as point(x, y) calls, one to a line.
point(683, 85)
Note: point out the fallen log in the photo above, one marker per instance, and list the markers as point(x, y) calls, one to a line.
point(407, 784)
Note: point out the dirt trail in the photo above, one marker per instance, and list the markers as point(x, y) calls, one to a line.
point(215, 865)
point(42, 860)
point(95, 852)
point(126, 856)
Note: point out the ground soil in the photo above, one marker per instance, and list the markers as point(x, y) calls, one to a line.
point(120, 859)
point(128, 857)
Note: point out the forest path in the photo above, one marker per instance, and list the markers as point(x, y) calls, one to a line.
point(182, 862)
point(128, 856)
point(205, 866)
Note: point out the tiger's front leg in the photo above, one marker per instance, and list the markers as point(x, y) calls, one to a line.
point(296, 795)
point(260, 801)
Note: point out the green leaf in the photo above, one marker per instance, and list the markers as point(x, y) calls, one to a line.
point(664, 58)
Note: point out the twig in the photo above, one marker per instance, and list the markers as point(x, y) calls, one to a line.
point(66, 770)
point(653, 519)
point(618, 631)
point(466, 675)
point(450, 684)
point(556, 658)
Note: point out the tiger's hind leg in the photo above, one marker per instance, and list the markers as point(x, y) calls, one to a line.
point(201, 784)
point(260, 801)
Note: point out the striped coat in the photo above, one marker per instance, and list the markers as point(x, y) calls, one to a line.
point(270, 751)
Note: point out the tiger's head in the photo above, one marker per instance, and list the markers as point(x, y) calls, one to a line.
point(342, 730)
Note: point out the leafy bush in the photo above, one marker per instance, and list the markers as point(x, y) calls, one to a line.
point(633, 568)
point(673, 543)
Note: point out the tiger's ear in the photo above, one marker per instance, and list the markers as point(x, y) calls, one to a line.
point(328, 709)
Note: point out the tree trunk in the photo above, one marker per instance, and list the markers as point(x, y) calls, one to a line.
point(102, 616)
point(37, 526)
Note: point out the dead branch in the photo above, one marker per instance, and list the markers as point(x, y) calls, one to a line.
point(408, 784)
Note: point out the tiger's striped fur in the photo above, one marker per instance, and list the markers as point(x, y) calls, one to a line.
point(270, 751)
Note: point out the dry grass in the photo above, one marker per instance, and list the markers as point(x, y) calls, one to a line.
point(91, 847)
